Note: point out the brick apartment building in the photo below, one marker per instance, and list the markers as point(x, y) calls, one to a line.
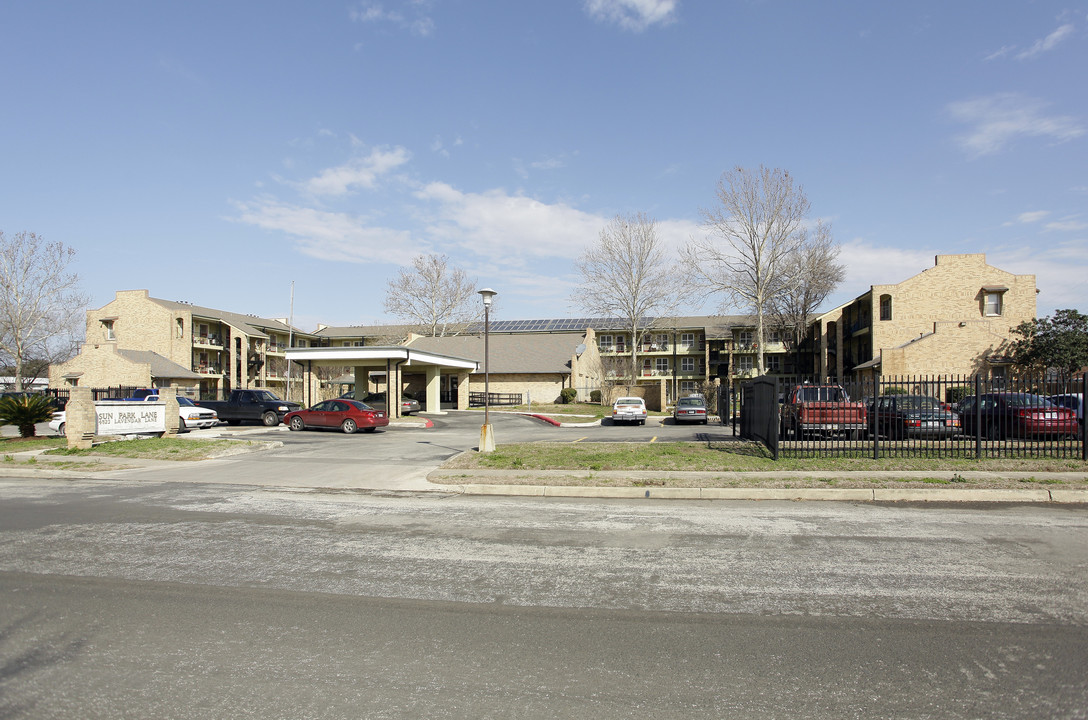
point(955, 317)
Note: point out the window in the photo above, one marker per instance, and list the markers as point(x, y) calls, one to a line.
point(991, 304)
point(744, 338)
point(774, 363)
point(606, 343)
point(689, 387)
point(774, 336)
point(108, 324)
point(687, 340)
point(621, 343)
point(661, 342)
point(662, 366)
point(181, 327)
point(687, 364)
point(744, 363)
point(885, 307)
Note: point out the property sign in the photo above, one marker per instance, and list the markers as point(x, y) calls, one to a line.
point(129, 418)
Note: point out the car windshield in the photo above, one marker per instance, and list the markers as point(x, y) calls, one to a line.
point(821, 394)
point(1027, 400)
point(185, 402)
point(358, 404)
point(917, 403)
point(629, 401)
point(265, 396)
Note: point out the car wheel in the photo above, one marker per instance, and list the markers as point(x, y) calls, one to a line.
point(993, 432)
point(705, 422)
point(182, 427)
point(642, 422)
point(349, 426)
point(297, 423)
point(61, 428)
point(270, 419)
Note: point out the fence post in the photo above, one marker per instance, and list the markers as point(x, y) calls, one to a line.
point(978, 416)
point(1083, 432)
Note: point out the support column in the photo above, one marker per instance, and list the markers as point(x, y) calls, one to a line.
point(434, 389)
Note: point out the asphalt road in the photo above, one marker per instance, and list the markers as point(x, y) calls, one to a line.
point(145, 599)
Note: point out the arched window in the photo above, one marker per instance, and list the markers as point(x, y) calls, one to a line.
point(885, 307)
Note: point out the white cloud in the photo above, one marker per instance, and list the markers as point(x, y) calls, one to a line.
point(357, 172)
point(1050, 42)
point(338, 237)
point(1028, 217)
point(1069, 224)
point(998, 119)
point(416, 20)
point(507, 228)
point(1039, 47)
point(633, 15)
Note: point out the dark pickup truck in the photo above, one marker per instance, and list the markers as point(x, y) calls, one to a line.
point(250, 405)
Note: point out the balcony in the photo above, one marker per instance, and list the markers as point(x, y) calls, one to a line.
point(208, 370)
point(207, 341)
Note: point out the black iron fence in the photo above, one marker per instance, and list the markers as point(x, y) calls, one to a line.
point(479, 399)
point(918, 416)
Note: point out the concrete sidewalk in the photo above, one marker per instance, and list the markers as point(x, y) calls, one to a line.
point(236, 468)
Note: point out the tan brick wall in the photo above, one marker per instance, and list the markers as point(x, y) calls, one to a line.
point(142, 324)
point(950, 292)
point(101, 367)
point(542, 388)
point(939, 297)
point(955, 348)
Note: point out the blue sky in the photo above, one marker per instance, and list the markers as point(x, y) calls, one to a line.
point(216, 152)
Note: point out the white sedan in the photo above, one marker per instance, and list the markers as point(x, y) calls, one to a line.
point(190, 415)
point(629, 409)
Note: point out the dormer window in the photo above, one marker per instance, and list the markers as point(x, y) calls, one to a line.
point(107, 326)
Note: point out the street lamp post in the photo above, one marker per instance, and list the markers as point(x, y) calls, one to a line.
point(487, 436)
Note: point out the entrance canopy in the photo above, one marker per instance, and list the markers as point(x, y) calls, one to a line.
point(393, 359)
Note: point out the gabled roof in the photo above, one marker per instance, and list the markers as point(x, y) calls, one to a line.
point(530, 353)
point(249, 324)
point(160, 367)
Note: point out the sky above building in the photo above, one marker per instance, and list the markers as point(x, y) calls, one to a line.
point(224, 152)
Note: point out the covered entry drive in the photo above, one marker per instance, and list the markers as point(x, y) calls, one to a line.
point(396, 362)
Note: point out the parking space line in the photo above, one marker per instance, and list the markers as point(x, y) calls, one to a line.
point(653, 439)
point(580, 439)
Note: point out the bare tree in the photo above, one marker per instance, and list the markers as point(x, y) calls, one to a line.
point(41, 306)
point(756, 227)
point(432, 295)
point(627, 275)
point(808, 278)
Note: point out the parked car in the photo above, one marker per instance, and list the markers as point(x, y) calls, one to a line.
point(690, 409)
point(341, 414)
point(254, 405)
point(408, 405)
point(629, 410)
point(189, 416)
point(1074, 402)
point(1013, 414)
point(821, 409)
point(898, 416)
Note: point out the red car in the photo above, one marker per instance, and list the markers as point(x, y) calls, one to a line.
point(1015, 414)
point(346, 415)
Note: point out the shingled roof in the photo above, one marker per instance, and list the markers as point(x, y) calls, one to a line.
point(511, 353)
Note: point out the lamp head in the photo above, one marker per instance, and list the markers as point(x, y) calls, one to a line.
point(487, 294)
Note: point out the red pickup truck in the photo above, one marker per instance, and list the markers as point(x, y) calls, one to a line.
point(821, 410)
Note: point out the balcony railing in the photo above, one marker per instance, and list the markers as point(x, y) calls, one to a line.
point(207, 341)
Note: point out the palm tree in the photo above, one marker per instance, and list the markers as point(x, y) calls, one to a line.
point(24, 411)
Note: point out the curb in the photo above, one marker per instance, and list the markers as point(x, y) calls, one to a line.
point(942, 495)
